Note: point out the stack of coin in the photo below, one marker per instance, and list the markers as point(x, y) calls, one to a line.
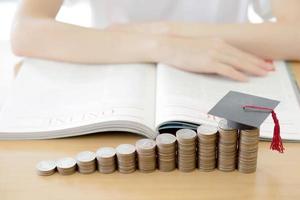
point(207, 141)
point(66, 166)
point(106, 157)
point(146, 151)
point(86, 162)
point(186, 140)
point(227, 148)
point(126, 158)
point(166, 146)
point(248, 148)
point(46, 168)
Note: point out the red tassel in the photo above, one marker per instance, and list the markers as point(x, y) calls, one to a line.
point(276, 143)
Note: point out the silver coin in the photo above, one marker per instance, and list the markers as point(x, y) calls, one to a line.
point(66, 163)
point(86, 156)
point(185, 134)
point(223, 124)
point(145, 144)
point(125, 149)
point(46, 165)
point(207, 129)
point(165, 138)
point(106, 152)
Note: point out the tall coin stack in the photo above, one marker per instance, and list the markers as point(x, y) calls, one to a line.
point(227, 148)
point(166, 146)
point(106, 159)
point(126, 156)
point(146, 153)
point(186, 140)
point(86, 162)
point(66, 166)
point(248, 148)
point(207, 141)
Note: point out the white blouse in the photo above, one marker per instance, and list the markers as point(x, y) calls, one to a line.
point(105, 12)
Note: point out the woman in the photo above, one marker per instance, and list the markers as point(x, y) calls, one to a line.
point(194, 35)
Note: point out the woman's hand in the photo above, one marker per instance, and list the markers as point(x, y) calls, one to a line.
point(200, 54)
point(213, 56)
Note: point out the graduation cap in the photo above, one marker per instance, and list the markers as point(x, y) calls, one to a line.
point(244, 111)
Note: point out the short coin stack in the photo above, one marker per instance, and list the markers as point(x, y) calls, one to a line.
point(126, 155)
point(146, 152)
point(106, 159)
point(186, 140)
point(166, 146)
point(207, 141)
point(46, 167)
point(86, 162)
point(248, 148)
point(66, 166)
point(227, 147)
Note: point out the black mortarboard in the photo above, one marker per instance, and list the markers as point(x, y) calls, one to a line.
point(231, 107)
point(244, 111)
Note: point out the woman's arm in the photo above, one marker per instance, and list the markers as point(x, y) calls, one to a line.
point(36, 33)
point(269, 40)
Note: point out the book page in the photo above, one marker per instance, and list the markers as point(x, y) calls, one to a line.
point(53, 95)
point(184, 96)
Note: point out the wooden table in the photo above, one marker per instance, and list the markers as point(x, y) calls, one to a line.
point(277, 176)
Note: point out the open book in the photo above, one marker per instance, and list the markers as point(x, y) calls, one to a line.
point(53, 99)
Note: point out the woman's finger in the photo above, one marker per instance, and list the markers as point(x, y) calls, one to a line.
point(229, 72)
point(239, 61)
point(252, 58)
